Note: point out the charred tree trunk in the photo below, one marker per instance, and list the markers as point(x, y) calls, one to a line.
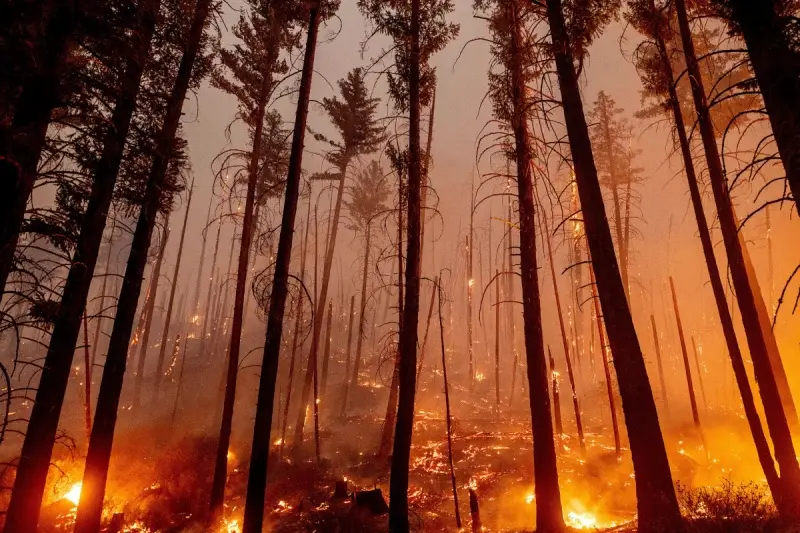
point(346, 380)
point(575, 404)
point(685, 354)
point(21, 145)
point(438, 289)
point(599, 319)
point(657, 503)
point(37, 448)
point(427, 329)
point(549, 516)
point(717, 286)
point(99, 454)
point(765, 377)
point(777, 68)
point(407, 352)
point(248, 226)
point(699, 372)
point(361, 310)
point(296, 337)
point(497, 343)
point(556, 396)
point(661, 379)
point(326, 357)
point(196, 299)
point(102, 304)
point(174, 286)
point(148, 321)
point(257, 477)
point(210, 292)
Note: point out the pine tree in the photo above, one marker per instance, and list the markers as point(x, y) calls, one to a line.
point(251, 71)
point(368, 196)
point(419, 29)
point(656, 501)
point(353, 116)
point(512, 107)
point(318, 11)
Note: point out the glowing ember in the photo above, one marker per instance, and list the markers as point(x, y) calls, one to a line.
point(581, 520)
point(529, 498)
point(230, 526)
point(74, 493)
point(231, 457)
point(277, 442)
point(480, 376)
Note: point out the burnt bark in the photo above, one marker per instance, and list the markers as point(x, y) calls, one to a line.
point(409, 318)
point(173, 286)
point(257, 476)
point(37, 448)
point(99, 453)
point(549, 515)
point(657, 503)
point(717, 286)
point(765, 377)
point(361, 309)
point(248, 225)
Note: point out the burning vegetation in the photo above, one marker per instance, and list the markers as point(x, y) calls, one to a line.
point(393, 317)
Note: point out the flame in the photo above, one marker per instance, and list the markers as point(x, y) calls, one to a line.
point(480, 376)
point(581, 520)
point(231, 456)
point(471, 282)
point(230, 526)
point(529, 498)
point(74, 493)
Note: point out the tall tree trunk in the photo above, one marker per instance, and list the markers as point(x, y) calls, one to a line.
point(37, 448)
point(102, 305)
point(407, 352)
point(362, 308)
point(297, 324)
point(661, 380)
point(438, 290)
point(556, 395)
point(196, 299)
point(346, 380)
point(497, 342)
point(777, 68)
point(174, 286)
point(99, 454)
point(148, 321)
point(684, 353)
point(21, 145)
point(549, 516)
point(327, 354)
point(389, 421)
point(717, 286)
point(422, 350)
point(248, 225)
point(322, 297)
point(612, 407)
point(699, 372)
point(657, 503)
point(210, 291)
point(765, 377)
point(257, 476)
point(575, 404)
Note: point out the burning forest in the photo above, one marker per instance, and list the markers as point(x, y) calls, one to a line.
point(399, 265)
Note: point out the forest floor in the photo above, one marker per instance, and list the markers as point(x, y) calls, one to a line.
point(160, 484)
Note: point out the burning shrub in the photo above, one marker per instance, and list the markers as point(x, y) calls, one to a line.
point(728, 507)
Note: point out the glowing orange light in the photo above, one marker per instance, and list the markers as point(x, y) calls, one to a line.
point(74, 493)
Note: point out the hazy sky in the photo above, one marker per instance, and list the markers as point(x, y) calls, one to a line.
point(461, 86)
